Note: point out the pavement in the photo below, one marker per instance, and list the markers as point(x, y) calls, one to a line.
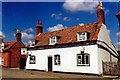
point(12, 73)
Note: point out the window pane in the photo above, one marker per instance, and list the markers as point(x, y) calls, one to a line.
point(83, 62)
point(87, 59)
point(79, 59)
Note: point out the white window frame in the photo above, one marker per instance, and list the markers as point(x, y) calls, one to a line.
point(80, 61)
point(32, 43)
point(53, 40)
point(57, 60)
point(32, 61)
point(2, 60)
point(2, 46)
point(23, 50)
point(81, 34)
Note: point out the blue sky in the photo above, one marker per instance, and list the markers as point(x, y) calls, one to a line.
point(54, 15)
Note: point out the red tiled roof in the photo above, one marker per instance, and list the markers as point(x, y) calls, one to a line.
point(8, 45)
point(69, 35)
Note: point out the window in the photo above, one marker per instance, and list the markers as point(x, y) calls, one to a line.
point(53, 40)
point(2, 60)
point(2, 46)
point(32, 59)
point(83, 59)
point(32, 43)
point(23, 50)
point(57, 59)
point(82, 36)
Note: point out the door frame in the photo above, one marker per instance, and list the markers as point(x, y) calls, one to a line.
point(50, 70)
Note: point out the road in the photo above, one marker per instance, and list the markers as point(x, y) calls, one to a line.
point(16, 73)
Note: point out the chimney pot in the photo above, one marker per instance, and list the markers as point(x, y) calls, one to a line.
point(100, 14)
point(39, 27)
point(18, 36)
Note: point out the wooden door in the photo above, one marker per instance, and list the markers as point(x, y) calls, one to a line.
point(22, 63)
point(50, 63)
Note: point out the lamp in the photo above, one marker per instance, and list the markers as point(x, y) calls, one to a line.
point(82, 49)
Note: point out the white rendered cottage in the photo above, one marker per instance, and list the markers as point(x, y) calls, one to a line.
point(79, 49)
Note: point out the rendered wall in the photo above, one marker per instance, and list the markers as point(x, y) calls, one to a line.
point(104, 55)
point(68, 59)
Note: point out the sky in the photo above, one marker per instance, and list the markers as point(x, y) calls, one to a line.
point(54, 16)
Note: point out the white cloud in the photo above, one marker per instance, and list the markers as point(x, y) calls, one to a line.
point(53, 15)
point(77, 19)
point(80, 6)
point(2, 34)
point(27, 36)
point(118, 34)
point(57, 27)
point(109, 31)
point(66, 19)
point(29, 30)
point(56, 16)
point(81, 24)
point(107, 11)
point(118, 43)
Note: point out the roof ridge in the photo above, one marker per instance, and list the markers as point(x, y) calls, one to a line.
point(10, 45)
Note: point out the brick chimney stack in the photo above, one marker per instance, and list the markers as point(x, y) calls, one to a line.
point(18, 36)
point(100, 14)
point(39, 27)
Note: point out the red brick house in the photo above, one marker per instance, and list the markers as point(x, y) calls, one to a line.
point(10, 54)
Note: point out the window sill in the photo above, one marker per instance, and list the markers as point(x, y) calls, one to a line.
point(52, 43)
point(83, 65)
point(81, 40)
point(57, 65)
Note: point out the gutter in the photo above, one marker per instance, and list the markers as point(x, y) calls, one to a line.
point(109, 48)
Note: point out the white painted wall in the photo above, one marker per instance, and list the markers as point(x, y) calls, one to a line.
point(103, 55)
point(104, 35)
point(68, 59)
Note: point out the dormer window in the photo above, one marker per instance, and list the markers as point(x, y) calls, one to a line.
point(33, 43)
point(2, 47)
point(53, 40)
point(82, 36)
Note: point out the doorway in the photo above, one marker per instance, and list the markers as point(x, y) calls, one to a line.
point(22, 63)
point(50, 63)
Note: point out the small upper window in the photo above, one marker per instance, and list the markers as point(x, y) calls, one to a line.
point(23, 50)
point(53, 40)
point(82, 36)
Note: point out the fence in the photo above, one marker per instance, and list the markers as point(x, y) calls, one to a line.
point(111, 68)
